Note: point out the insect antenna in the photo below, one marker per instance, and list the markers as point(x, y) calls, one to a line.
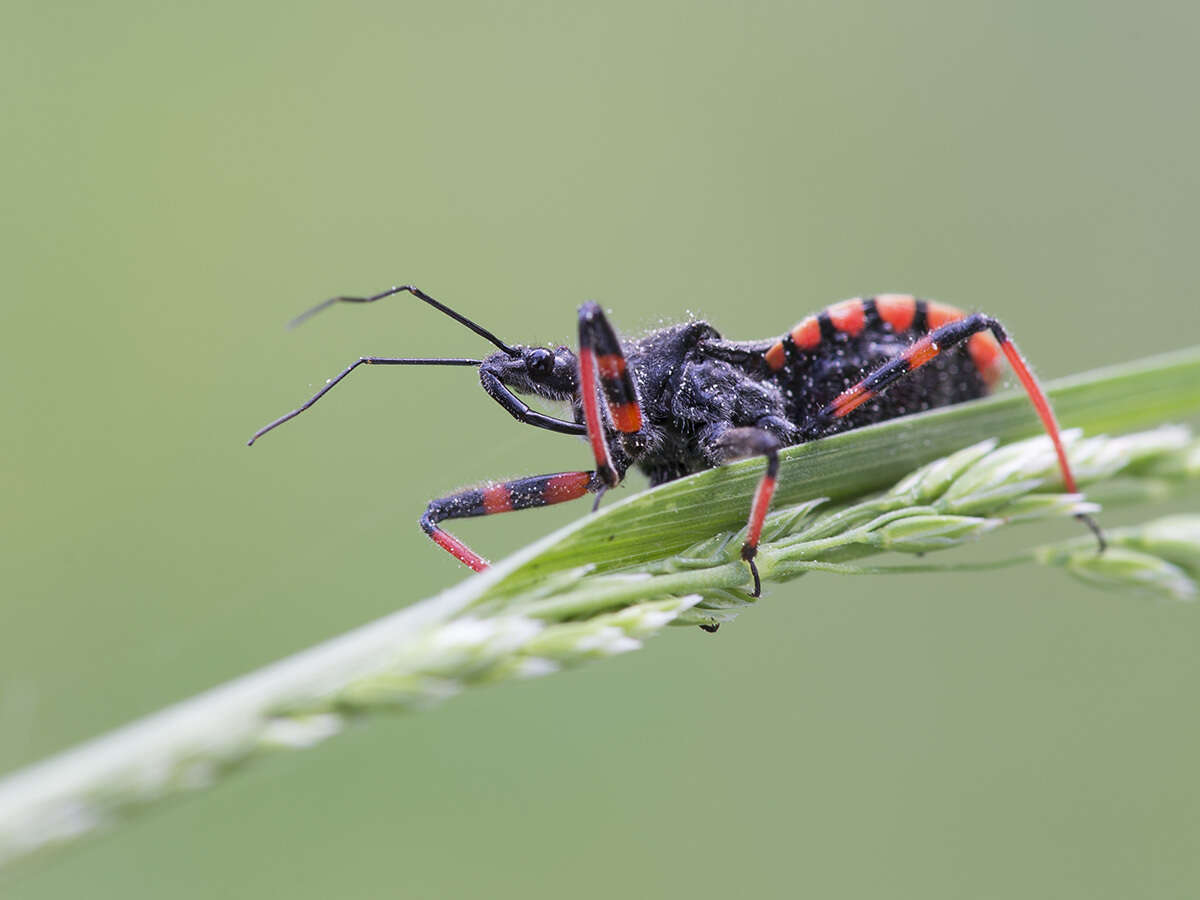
point(364, 361)
point(420, 295)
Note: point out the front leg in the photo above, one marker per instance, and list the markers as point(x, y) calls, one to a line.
point(727, 444)
point(600, 351)
point(503, 496)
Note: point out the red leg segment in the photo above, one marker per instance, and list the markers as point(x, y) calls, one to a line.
point(591, 416)
point(739, 443)
point(503, 496)
point(602, 370)
point(1042, 404)
point(938, 341)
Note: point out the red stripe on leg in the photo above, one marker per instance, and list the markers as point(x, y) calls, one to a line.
point(458, 549)
point(591, 414)
point(848, 401)
point(1042, 405)
point(627, 417)
point(921, 352)
point(567, 486)
point(985, 353)
point(611, 365)
point(758, 510)
point(497, 499)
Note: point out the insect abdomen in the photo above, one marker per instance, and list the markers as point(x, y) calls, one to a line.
point(900, 314)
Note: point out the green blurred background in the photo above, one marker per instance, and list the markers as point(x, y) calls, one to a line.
point(183, 178)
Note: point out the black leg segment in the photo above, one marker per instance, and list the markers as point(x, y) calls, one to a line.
point(503, 496)
point(362, 361)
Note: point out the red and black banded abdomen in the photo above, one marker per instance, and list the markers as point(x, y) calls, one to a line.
point(827, 353)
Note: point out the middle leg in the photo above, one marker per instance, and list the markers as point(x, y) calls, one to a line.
point(739, 443)
point(600, 352)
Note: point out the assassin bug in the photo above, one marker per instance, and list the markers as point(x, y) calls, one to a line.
point(682, 398)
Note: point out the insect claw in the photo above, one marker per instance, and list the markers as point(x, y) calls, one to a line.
point(1095, 529)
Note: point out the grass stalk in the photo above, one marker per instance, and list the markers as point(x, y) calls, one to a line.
point(605, 583)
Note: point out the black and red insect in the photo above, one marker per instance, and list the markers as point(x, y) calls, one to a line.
point(682, 398)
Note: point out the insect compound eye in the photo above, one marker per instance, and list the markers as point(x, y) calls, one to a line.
point(541, 362)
